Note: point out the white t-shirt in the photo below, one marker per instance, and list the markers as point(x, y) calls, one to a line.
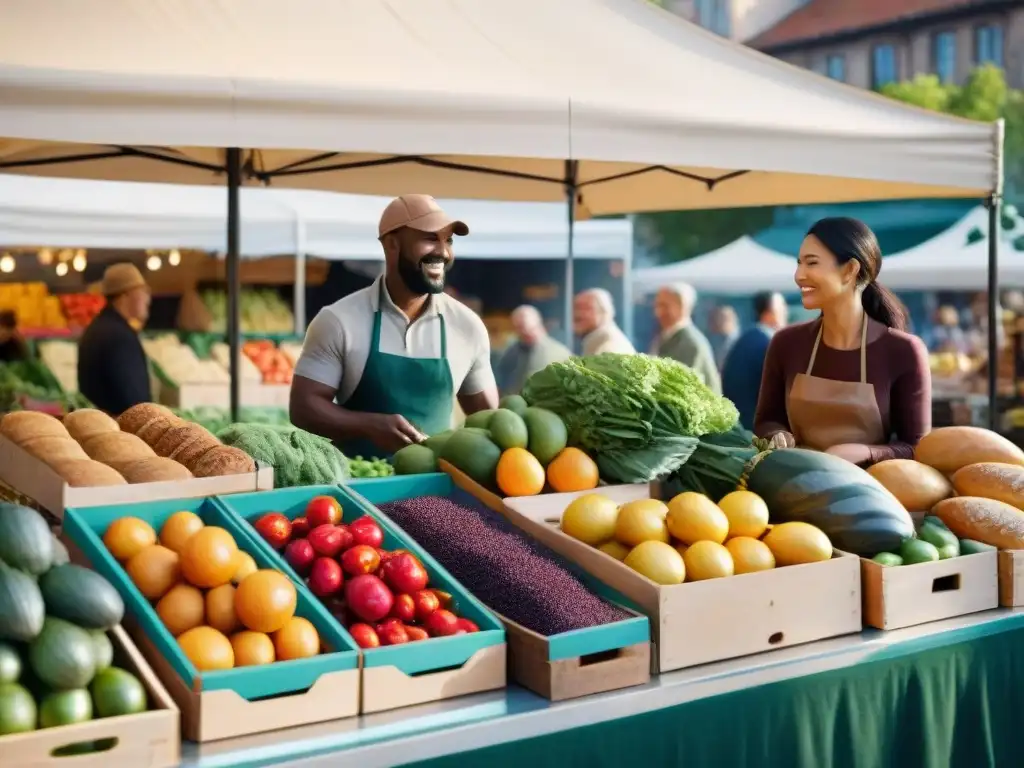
point(338, 341)
point(607, 338)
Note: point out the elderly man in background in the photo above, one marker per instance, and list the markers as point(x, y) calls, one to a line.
point(594, 322)
point(680, 339)
point(744, 365)
point(723, 330)
point(533, 350)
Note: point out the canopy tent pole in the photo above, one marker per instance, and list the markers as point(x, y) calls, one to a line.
point(628, 307)
point(300, 277)
point(994, 314)
point(571, 171)
point(234, 167)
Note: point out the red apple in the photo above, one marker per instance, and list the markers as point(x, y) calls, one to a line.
point(325, 577)
point(323, 510)
point(442, 623)
point(404, 573)
point(395, 634)
point(368, 598)
point(326, 540)
point(300, 555)
point(404, 608)
point(417, 633)
point(366, 531)
point(300, 528)
point(359, 560)
point(364, 635)
point(426, 603)
point(466, 625)
point(275, 528)
point(346, 536)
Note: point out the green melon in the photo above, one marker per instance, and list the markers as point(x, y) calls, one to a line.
point(514, 403)
point(480, 419)
point(414, 460)
point(473, 453)
point(548, 436)
point(508, 430)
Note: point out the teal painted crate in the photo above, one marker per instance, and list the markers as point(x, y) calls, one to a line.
point(86, 528)
point(565, 645)
point(416, 658)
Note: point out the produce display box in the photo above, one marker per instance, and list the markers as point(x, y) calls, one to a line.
point(234, 702)
point(1011, 578)
point(400, 675)
point(739, 616)
point(195, 395)
point(28, 475)
point(149, 739)
point(259, 395)
point(563, 666)
point(904, 596)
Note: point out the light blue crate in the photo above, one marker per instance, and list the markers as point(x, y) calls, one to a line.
point(421, 657)
point(565, 645)
point(86, 527)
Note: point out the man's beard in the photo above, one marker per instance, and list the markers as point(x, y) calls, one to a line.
point(415, 277)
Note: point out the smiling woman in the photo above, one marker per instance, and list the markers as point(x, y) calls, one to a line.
point(853, 382)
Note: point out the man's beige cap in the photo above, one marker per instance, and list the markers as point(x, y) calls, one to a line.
point(121, 278)
point(417, 212)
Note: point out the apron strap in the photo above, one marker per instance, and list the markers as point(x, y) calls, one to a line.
point(375, 344)
point(444, 337)
point(863, 351)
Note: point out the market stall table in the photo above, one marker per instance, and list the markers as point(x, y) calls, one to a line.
point(941, 694)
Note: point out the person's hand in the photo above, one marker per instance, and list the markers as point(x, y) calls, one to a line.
point(391, 432)
point(855, 453)
point(783, 440)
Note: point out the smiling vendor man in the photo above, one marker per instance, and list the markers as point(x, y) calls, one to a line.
point(380, 368)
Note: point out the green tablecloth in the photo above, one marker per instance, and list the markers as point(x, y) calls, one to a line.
point(928, 707)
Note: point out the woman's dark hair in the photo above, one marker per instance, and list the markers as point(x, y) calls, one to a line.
point(852, 239)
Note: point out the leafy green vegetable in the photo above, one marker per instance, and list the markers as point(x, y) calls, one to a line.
point(367, 468)
point(638, 415)
point(298, 457)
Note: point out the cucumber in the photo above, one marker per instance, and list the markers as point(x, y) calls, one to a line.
point(63, 656)
point(81, 596)
point(888, 559)
point(949, 551)
point(972, 547)
point(938, 537)
point(914, 551)
point(933, 520)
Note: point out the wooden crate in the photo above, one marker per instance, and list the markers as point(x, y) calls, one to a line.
point(147, 740)
point(530, 665)
point(1011, 578)
point(36, 480)
point(906, 595)
point(701, 622)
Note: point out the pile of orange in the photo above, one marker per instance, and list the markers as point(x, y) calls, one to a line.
point(521, 474)
point(209, 594)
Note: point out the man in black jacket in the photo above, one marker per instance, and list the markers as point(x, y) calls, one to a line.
point(113, 372)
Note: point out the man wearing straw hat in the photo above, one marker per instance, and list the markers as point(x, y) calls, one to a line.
point(112, 369)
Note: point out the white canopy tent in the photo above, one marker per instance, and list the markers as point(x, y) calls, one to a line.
point(528, 102)
point(741, 267)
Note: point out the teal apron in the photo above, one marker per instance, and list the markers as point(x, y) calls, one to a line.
point(420, 389)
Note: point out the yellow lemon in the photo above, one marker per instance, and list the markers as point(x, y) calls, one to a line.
point(747, 514)
point(590, 518)
point(798, 543)
point(750, 555)
point(693, 517)
point(615, 549)
point(658, 561)
point(640, 521)
point(707, 560)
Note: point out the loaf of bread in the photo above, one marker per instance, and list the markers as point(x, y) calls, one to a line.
point(87, 423)
point(21, 426)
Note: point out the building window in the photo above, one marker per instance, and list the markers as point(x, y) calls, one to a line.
point(883, 66)
point(835, 67)
point(714, 15)
point(944, 56)
point(988, 44)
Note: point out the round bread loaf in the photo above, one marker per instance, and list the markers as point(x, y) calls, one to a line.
point(156, 427)
point(190, 453)
point(135, 418)
point(155, 470)
point(178, 437)
point(54, 449)
point(224, 460)
point(21, 426)
point(86, 473)
point(117, 448)
point(89, 422)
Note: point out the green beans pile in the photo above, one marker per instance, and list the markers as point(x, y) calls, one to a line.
point(365, 468)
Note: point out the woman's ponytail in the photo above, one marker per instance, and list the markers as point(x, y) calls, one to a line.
point(881, 305)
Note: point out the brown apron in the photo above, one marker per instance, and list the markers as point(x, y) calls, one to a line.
point(824, 413)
